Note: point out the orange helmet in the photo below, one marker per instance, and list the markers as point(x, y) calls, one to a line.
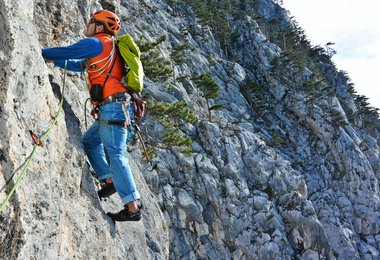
point(110, 21)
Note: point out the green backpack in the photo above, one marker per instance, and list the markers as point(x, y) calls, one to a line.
point(131, 56)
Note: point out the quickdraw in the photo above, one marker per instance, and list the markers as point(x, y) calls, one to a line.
point(37, 142)
point(35, 138)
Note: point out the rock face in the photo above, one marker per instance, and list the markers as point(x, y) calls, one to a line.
point(279, 171)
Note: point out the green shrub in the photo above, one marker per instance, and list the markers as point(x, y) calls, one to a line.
point(178, 52)
point(276, 140)
point(172, 116)
point(156, 67)
point(210, 89)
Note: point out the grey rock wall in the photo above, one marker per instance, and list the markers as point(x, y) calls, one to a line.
point(55, 213)
point(238, 196)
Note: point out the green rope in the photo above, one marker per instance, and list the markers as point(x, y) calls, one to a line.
point(43, 137)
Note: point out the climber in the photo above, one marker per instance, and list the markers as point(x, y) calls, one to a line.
point(97, 55)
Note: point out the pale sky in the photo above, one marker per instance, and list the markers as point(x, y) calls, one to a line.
point(354, 27)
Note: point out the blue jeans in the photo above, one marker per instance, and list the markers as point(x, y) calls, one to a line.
point(113, 139)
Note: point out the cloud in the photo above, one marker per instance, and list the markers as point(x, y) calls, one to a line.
point(362, 45)
point(354, 27)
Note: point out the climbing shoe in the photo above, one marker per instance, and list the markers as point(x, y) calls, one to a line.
point(125, 215)
point(107, 189)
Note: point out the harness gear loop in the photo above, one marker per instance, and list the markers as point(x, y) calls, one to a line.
point(126, 112)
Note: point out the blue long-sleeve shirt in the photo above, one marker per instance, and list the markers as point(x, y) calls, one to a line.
point(75, 54)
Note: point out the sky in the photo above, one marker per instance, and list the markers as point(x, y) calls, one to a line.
point(354, 27)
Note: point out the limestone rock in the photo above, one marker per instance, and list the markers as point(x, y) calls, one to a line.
point(287, 167)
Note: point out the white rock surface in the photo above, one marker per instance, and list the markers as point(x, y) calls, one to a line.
point(241, 194)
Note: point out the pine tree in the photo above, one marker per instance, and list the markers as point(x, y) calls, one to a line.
point(210, 90)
